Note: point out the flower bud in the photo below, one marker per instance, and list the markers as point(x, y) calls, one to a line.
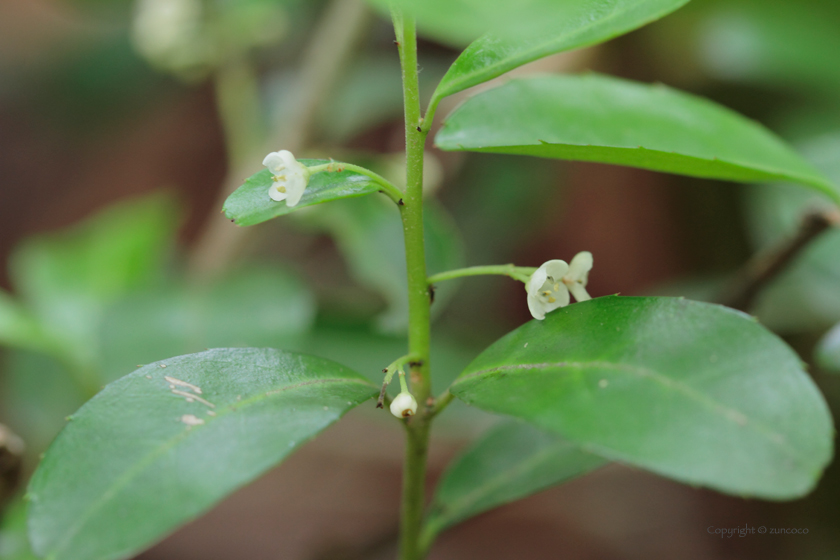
point(404, 405)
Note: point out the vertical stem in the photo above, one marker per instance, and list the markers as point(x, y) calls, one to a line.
point(419, 332)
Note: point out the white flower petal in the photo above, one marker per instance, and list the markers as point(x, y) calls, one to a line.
point(579, 268)
point(295, 185)
point(288, 159)
point(579, 291)
point(535, 306)
point(275, 163)
point(276, 194)
point(536, 281)
point(556, 269)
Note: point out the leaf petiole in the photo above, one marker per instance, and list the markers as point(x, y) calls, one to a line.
point(521, 273)
point(388, 188)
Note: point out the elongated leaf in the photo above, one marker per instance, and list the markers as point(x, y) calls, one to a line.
point(250, 203)
point(578, 23)
point(151, 452)
point(597, 118)
point(512, 461)
point(692, 391)
point(828, 352)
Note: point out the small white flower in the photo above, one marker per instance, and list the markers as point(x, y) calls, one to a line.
point(549, 286)
point(290, 177)
point(404, 405)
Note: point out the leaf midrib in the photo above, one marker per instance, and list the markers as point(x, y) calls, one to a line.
point(770, 174)
point(731, 414)
point(149, 459)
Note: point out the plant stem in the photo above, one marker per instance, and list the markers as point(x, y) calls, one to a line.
point(520, 273)
point(441, 402)
point(388, 187)
point(419, 331)
point(764, 268)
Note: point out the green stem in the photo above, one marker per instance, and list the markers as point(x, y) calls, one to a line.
point(388, 188)
point(403, 386)
point(441, 403)
point(520, 273)
point(419, 332)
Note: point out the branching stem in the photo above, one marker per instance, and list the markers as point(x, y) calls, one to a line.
point(765, 267)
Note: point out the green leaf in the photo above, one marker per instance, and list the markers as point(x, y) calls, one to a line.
point(14, 544)
point(828, 351)
point(785, 44)
point(66, 279)
point(688, 390)
point(371, 95)
point(457, 22)
point(512, 461)
point(254, 306)
point(18, 328)
point(37, 394)
point(250, 203)
point(578, 23)
point(138, 460)
point(369, 234)
point(603, 119)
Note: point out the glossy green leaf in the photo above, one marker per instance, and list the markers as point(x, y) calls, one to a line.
point(608, 120)
point(250, 203)
point(256, 306)
point(828, 351)
point(151, 452)
point(692, 391)
point(369, 234)
point(512, 461)
point(578, 24)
